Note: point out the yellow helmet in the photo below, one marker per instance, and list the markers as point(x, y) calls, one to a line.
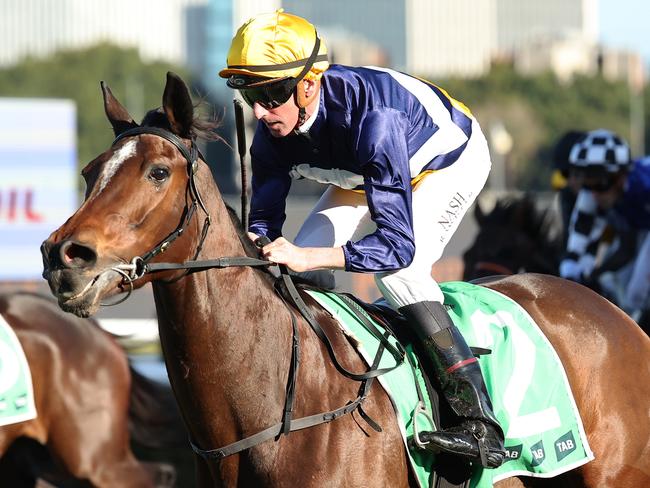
point(276, 45)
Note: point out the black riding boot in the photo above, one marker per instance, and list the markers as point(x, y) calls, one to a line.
point(479, 436)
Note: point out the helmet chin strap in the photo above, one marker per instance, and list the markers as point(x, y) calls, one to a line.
point(302, 100)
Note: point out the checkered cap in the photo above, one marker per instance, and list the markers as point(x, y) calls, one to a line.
point(600, 149)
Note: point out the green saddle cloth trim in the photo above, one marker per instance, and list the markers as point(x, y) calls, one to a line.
point(16, 391)
point(527, 383)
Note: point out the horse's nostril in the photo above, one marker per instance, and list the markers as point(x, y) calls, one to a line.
point(75, 255)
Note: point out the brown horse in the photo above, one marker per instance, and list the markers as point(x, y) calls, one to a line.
point(82, 384)
point(227, 336)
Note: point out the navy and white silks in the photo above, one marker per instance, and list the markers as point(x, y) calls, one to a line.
point(376, 133)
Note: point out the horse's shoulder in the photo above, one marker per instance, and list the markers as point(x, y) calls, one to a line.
point(341, 340)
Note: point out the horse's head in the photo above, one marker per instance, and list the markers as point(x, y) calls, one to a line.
point(140, 196)
point(514, 237)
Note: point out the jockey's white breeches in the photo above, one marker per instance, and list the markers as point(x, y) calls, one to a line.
point(440, 201)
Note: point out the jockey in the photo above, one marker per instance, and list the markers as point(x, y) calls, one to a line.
point(614, 191)
point(403, 161)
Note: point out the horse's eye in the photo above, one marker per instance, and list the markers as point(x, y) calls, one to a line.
point(159, 174)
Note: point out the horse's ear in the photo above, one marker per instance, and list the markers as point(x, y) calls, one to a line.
point(177, 104)
point(478, 213)
point(117, 115)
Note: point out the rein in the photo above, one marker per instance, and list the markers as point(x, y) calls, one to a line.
point(140, 265)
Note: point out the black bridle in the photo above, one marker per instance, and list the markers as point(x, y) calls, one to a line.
point(191, 155)
point(140, 265)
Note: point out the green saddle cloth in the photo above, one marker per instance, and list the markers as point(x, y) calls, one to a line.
point(16, 391)
point(528, 386)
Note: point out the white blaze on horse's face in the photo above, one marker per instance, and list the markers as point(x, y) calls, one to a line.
point(112, 165)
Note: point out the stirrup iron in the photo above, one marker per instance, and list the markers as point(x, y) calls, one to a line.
point(421, 409)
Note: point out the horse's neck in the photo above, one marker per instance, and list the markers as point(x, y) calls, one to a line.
point(223, 324)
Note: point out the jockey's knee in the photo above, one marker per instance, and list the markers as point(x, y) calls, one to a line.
point(408, 286)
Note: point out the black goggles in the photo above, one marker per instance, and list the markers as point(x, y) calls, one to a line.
point(269, 95)
point(599, 185)
point(275, 93)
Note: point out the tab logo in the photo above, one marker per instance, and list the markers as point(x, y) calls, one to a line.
point(565, 445)
point(513, 452)
point(537, 450)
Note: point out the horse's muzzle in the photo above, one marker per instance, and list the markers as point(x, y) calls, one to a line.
point(67, 254)
point(68, 267)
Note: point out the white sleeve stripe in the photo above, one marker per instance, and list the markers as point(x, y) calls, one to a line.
point(448, 136)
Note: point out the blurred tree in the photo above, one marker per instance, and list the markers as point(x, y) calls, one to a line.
point(538, 110)
point(75, 74)
point(535, 110)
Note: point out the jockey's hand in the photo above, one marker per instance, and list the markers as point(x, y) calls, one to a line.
point(282, 251)
point(301, 259)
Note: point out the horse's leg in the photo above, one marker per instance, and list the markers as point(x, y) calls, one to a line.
point(16, 466)
point(96, 448)
point(22, 453)
point(511, 483)
point(7, 436)
point(571, 479)
point(43, 484)
point(89, 432)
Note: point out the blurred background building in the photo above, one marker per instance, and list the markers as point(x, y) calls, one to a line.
point(465, 35)
point(41, 27)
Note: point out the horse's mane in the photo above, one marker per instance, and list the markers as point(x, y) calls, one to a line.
point(249, 246)
point(203, 127)
point(252, 251)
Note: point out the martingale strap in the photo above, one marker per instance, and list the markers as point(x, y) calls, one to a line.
point(291, 425)
point(297, 424)
point(288, 424)
point(398, 352)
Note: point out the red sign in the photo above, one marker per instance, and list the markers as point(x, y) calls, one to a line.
point(17, 205)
